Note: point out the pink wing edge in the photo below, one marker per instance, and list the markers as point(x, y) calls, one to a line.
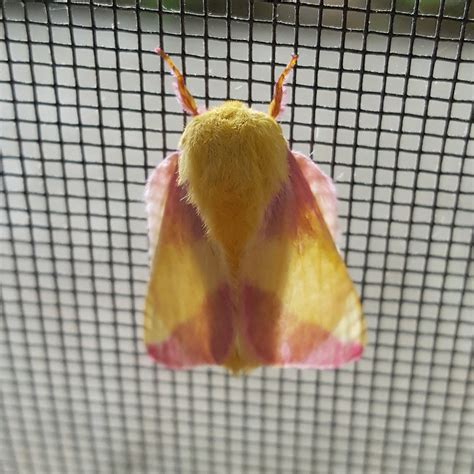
point(323, 189)
point(156, 191)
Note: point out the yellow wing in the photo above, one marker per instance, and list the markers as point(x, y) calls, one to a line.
point(188, 310)
point(298, 304)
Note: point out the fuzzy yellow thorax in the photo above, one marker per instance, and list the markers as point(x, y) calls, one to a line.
point(234, 160)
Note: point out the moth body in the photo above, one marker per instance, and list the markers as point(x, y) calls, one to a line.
point(233, 161)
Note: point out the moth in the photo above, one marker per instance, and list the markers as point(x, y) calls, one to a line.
point(244, 267)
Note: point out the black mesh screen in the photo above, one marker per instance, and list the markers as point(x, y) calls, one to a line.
point(381, 99)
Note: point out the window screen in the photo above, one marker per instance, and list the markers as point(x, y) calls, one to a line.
point(381, 99)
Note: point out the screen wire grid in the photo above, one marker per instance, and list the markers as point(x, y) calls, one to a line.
point(381, 98)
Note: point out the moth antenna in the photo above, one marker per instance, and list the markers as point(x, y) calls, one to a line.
point(277, 105)
point(184, 97)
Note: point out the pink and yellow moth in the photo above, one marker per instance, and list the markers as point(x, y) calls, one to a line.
point(244, 268)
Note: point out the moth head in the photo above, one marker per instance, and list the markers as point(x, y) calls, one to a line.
point(236, 149)
point(231, 148)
